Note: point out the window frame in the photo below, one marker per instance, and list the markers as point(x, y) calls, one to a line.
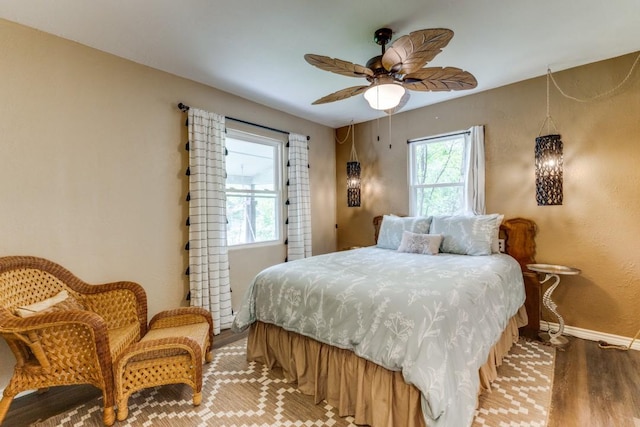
point(279, 168)
point(413, 187)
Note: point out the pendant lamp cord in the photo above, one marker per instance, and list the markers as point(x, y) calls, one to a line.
point(609, 92)
point(548, 120)
point(354, 155)
point(350, 131)
point(605, 345)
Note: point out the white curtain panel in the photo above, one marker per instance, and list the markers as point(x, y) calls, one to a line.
point(299, 207)
point(474, 183)
point(208, 255)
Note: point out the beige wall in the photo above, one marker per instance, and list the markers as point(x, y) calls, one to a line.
point(92, 167)
point(596, 229)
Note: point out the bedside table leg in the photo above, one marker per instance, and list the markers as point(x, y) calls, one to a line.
point(555, 337)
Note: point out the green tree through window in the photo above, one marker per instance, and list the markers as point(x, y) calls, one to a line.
point(437, 175)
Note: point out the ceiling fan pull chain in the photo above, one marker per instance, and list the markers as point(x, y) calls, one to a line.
point(389, 131)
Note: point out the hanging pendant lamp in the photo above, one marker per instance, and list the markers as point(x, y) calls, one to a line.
point(549, 162)
point(353, 175)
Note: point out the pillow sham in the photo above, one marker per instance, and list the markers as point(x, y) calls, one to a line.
point(466, 235)
point(59, 302)
point(415, 243)
point(392, 227)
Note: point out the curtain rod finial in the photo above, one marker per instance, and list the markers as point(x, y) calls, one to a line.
point(184, 108)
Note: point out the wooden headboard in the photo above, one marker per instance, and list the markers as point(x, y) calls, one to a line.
point(519, 236)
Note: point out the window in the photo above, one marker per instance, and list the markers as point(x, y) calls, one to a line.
point(437, 174)
point(254, 189)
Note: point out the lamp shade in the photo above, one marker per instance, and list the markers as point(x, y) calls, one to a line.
point(353, 184)
point(384, 96)
point(549, 165)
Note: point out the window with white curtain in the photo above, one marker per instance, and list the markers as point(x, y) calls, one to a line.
point(253, 189)
point(437, 175)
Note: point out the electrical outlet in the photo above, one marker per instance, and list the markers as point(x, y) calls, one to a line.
point(501, 246)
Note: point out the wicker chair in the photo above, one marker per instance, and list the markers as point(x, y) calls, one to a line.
point(66, 347)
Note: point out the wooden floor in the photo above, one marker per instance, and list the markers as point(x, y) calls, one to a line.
point(592, 387)
point(595, 387)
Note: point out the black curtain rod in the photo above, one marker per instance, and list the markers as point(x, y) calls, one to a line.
point(184, 108)
point(466, 132)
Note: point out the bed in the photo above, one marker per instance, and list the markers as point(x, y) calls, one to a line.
point(389, 337)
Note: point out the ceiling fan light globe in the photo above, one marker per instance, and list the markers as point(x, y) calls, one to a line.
point(384, 96)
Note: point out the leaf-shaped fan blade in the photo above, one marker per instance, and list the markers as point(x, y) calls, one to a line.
point(401, 104)
point(341, 94)
point(410, 53)
point(438, 79)
point(338, 66)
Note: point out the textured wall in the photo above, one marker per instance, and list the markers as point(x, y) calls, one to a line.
point(596, 229)
point(92, 167)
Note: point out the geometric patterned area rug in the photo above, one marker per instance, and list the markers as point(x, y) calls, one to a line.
point(521, 395)
point(237, 393)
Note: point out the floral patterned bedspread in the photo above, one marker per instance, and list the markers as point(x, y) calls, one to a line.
point(433, 317)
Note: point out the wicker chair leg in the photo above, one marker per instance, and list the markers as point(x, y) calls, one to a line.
point(4, 406)
point(197, 398)
point(109, 416)
point(123, 408)
point(208, 357)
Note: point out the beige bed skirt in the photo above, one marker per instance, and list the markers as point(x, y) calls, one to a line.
point(370, 393)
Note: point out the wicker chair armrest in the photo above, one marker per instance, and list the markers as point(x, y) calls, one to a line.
point(182, 316)
point(14, 324)
point(35, 330)
point(119, 303)
point(158, 349)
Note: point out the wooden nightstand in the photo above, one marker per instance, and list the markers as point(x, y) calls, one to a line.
point(351, 247)
point(532, 304)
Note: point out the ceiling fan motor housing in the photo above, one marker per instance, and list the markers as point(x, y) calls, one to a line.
point(375, 65)
point(381, 36)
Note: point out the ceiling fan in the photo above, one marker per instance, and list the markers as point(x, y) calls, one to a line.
point(397, 69)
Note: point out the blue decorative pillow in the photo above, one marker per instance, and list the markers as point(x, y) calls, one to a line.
point(392, 228)
point(424, 244)
point(466, 235)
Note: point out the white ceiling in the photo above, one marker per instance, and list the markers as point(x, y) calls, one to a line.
point(255, 48)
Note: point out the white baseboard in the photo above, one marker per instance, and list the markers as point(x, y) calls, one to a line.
point(591, 335)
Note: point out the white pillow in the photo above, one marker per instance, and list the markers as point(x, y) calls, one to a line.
point(61, 301)
point(391, 229)
point(466, 235)
point(425, 244)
